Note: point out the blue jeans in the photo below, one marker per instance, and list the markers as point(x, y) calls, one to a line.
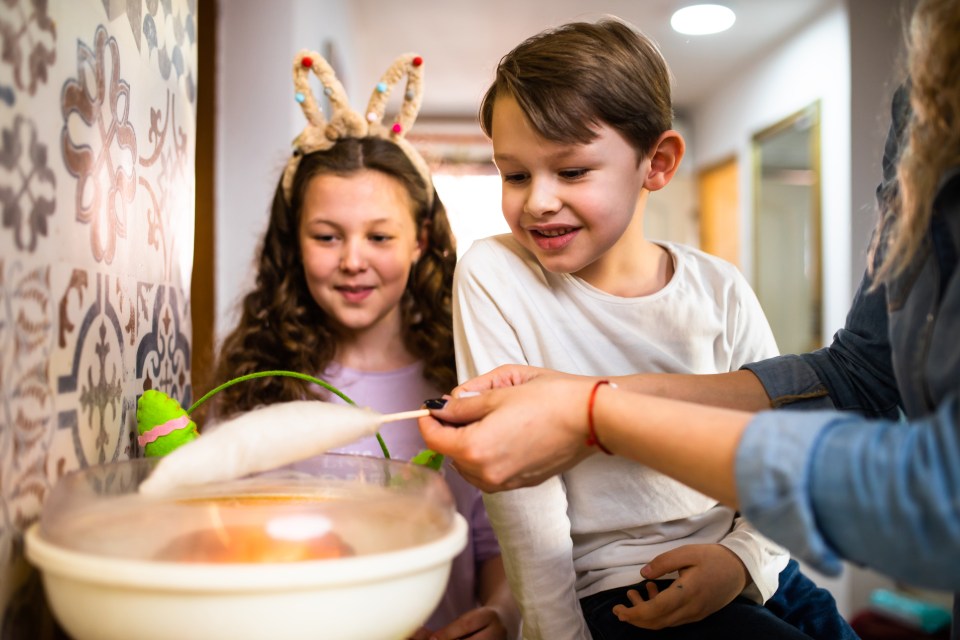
point(742, 619)
point(808, 607)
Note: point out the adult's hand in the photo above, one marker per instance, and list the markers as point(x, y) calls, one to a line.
point(508, 375)
point(515, 436)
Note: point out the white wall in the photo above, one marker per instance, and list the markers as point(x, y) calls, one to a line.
point(876, 57)
point(846, 59)
point(811, 66)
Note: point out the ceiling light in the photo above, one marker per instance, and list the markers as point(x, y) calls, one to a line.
point(702, 19)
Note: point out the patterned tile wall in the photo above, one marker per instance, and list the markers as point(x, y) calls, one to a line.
point(97, 135)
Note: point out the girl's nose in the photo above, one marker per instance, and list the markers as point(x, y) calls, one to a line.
point(353, 258)
point(541, 199)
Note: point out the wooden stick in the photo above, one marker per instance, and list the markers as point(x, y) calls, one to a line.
point(405, 415)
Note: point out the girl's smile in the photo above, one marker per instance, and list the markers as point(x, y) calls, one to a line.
point(354, 294)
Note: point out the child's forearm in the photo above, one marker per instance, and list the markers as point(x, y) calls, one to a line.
point(533, 529)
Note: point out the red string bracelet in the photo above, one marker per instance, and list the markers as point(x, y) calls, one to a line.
point(592, 439)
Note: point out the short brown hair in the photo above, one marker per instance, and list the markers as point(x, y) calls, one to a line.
point(569, 79)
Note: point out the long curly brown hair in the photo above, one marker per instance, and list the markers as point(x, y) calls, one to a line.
point(932, 134)
point(282, 327)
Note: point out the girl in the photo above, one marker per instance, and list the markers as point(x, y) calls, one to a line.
point(353, 285)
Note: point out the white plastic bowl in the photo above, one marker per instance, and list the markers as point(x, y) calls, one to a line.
point(373, 595)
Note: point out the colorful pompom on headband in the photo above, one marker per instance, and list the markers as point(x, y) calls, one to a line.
point(321, 134)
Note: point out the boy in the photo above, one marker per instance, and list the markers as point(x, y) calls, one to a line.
point(580, 122)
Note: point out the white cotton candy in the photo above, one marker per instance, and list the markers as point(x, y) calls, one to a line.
point(259, 440)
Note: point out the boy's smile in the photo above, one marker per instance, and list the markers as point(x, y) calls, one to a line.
point(553, 237)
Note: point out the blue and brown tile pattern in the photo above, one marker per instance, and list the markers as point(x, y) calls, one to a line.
point(97, 134)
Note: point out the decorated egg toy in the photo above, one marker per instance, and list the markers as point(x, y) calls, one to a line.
point(162, 424)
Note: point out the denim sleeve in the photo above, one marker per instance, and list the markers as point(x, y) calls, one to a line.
point(879, 493)
point(773, 479)
point(854, 373)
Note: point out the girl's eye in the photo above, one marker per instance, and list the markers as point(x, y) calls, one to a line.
point(324, 237)
point(573, 174)
point(379, 238)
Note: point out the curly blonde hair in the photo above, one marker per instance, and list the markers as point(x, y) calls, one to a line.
point(932, 135)
point(282, 327)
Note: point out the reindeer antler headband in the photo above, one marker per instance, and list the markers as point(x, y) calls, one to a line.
point(319, 134)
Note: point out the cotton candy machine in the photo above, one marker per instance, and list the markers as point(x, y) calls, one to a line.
point(343, 547)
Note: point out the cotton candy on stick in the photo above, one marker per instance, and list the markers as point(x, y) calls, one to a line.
point(265, 438)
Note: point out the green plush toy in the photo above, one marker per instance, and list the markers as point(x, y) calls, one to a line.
point(162, 424)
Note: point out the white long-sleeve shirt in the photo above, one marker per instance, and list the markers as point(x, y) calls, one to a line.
point(594, 527)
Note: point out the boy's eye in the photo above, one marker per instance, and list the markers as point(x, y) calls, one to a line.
point(514, 178)
point(573, 174)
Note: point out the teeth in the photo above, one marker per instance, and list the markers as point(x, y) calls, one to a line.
point(552, 233)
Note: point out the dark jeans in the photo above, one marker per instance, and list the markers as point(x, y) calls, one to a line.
point(808, 607)
point(742, 619)
point(799, 609)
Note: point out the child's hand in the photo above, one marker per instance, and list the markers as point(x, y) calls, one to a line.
point(711, 576)
point(482, 623)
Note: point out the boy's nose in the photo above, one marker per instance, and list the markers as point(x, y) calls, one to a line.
point(541, 199)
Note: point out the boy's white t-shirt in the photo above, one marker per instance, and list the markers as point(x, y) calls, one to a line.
point(597, 525)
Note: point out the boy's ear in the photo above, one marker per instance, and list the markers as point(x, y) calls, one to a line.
point(665, 160)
